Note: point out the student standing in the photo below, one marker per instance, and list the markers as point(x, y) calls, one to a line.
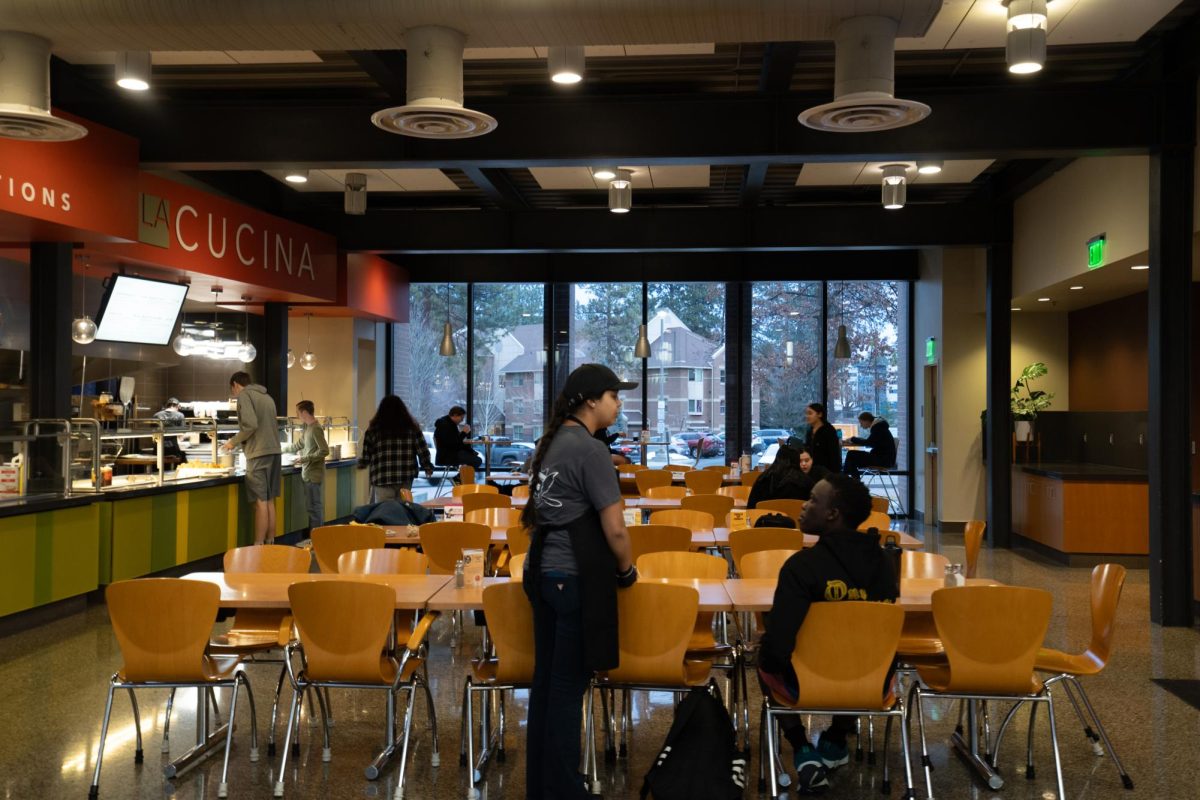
point(821, 440)
point(579, 555)
point(393, 445)
point(259, 438)
point(311, 452)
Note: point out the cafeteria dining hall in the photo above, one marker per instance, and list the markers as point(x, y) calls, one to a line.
point(881, 320)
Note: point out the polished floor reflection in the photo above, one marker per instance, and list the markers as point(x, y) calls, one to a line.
point(55, 676)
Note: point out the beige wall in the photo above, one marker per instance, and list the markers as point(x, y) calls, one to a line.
point(1053, 222)
point(1043, 337)
point(332, 386)
point(927, 321)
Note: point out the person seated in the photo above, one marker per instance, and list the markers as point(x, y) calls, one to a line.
point(609, 439)
point(879, 439)
point(449, 437)
point(843, 565)
point(791, 477)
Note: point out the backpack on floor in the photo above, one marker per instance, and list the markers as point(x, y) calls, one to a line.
point(700, 759)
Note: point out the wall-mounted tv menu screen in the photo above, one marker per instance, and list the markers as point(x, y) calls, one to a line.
point(139, 310)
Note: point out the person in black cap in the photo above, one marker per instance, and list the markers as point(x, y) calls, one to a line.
point(171, 417)
point(579, 555)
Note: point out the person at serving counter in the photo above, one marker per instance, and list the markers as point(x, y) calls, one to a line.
point(171, 417)
point(259, 438)
point(393, 445)
point(879, 438)
point(311, 452)
point(449, 440)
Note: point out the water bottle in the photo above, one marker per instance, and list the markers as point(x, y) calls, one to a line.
point(459, 577)
point(744, 462)
point(893, 553)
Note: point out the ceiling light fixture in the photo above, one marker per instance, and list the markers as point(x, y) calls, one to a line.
point(291, 358)
point(1139, 267)
point(354, 201)
point(604, 173)
point(133, 70)
point(1015, 308)
point(1025, 46)
point(895, 186)
point(83, 329)
point(1076, 288)
point(447, 347)
point(308, 360)
point(246, 351)
point(1043, 299)
point(566, 64)
point(642, 348)
point(930, 166)
point(25, 92)
point(620, 192)
point(296, 176)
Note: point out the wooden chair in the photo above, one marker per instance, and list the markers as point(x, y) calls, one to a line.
point(629, 469)
point(876, 519)
point(682, 565)
point(518, 539)
point(684, 468)
point(748, 478)
point(764, 563)
point(520, 490)
point(973, 541)
point(666, 492)
point(694, 521)
point(880, 503)
point(648, 478)
point(510, 626)
point(466, 475)
point(479, 500)
point(753, 515)
point(474, 488)
point(496, 517)
point(992, 635)
point(752, 540)
point(790, 507)
point(656, 538)
point(1107, 581)
point(330, 541)
point(516, 566)
point(842, 656)
point(344, 627)
point(162, 626)
point(919, 564)
point(741, 493)
point(716, 504)
point(383, 561)
point(703, 481)
point(443, 543)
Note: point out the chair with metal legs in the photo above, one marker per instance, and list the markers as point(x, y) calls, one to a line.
point(162, 626)
point(887, 482)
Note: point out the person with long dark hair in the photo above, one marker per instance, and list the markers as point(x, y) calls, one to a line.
point(822, 441)
point(392, 447)
point(579, 555)
point(791, 476)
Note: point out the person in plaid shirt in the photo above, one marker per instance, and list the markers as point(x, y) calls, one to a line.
point(392, 447)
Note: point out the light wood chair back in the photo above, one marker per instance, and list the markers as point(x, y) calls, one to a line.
point(764, 563)
point(716, 504)
point(343, 626)
point(783, 506)
point(162, 626)
point(684, 468)
point(461, 489)
point(876, 519)
point(681, 565)
point(466, 475)
point(516, 566)
point(721, 468)
point(1107, 581)
point(268, 558)
point(656, 622)
point(736, 492)
point(753, 515)
point(844, 652)
point(479, 500)
point(655, 538)
point(629, 469)
point(383, 561)
point(748, 478)
point(703, 481)
point(666, 492)
point(510, 626)
point(880, 503)
point(443, 543)
point(973, 541)
point(520, 490)
point(991, 635)
point(494, 517)
point(517, 537)
point(694, 521)
point(751, 540)
point(330, 541)
point(647, 478)
point(919, 564)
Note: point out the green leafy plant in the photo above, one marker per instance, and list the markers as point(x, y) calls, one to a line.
point(1024, 402)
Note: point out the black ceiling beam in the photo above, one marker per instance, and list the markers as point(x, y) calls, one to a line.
point(497, 187)
point(388, 68)
point(779, 63)
point(703, 128)
point(698, 230)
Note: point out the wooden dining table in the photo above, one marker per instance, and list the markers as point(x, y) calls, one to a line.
point(270, 589)
point(713, 597)
point(758, 594)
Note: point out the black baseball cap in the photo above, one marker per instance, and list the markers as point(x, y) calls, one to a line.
point(593, 380)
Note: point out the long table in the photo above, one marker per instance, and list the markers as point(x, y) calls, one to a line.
point(758, 594)
point(270, 589)
point(713, 597)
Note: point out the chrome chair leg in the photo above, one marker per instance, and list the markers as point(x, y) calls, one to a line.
point(1126, 781)
point(253, 718)
point(274, 712)
point(473, 776)
point(924, 745)
point(138, 755)
point(326, 749)
point(626, 723)
point(1029, 771)
point(436, 756)
point(94, 791)
point(292, 728)
point(408, 718)
point(1062, 792)
point(223, 786)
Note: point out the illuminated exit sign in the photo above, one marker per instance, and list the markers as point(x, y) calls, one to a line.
point(931, 350)
point(1095, 247)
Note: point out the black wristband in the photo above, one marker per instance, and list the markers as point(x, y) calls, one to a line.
point(628, 577)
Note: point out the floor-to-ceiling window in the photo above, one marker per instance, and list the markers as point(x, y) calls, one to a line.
point(604, 330)
point(509, 359)
point(429, 382)
point(785, 369)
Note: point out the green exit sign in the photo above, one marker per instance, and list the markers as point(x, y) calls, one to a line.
point(931, 350)
point(1095, 247)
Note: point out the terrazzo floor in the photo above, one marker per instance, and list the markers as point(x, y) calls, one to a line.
point(54, 680)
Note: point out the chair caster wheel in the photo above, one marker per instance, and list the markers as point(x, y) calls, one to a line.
point(138, 757)
point(326, 754)
point(1030, 774)
point(253, 755)
point(270, 749)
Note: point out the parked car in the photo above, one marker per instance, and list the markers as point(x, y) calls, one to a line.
point(713, 445)
point(509, 455)
point(771, 435)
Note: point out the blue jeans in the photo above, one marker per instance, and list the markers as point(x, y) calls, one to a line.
point(556, 699)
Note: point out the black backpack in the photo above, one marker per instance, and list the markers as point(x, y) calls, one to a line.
point(700, 759)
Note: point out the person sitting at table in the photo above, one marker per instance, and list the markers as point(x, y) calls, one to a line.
point(787, 478)
point(879, 439)
point(821, 440)
point(843, 565)
point(449, 440)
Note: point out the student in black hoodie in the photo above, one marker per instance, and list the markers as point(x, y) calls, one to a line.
point(843, 565)
point(791, 476)
point(879, 439)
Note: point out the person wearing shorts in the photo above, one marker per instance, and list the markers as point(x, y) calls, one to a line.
point(259, 439)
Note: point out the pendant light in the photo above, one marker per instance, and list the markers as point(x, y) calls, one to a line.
point(291, 358)
point(841, 348)
point(83, 329)
point(642, 349)
point(132, 71)
point(447, 347)
point(565, 63)
point(246, 351)
point(308, 360)
point(895, 191)
point(1025, 44)
point(620, 192)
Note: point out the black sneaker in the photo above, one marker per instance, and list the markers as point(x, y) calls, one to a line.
point(811, 775)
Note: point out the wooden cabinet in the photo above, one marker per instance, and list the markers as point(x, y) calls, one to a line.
point(1082, 516)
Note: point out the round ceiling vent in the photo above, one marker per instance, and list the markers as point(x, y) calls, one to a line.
point(25, 92)
point(431, 118)
point(34, 124)
point(862, 112)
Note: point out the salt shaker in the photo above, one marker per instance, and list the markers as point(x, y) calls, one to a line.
point(950, 578)
point(459, 577)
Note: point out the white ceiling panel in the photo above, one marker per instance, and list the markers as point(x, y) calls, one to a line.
point(858, 173)
point(376, 180)
point(943, 27)
point(318, 181)
point(580, 178)
point(274, 56)
point(563, 178)
point(689, 176)
point(185, 58)
point(497, 53)
point(963, 171)
point(1107, 20)
point(421, 180)
point(699, 49)
point(826, 174)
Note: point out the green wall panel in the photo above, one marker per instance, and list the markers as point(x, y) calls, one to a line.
point(345, 491)
point(162, 532)
point(208, 517)
point(18, 545)
point(74, 551)
point(132, 522)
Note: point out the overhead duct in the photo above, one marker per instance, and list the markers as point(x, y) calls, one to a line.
point(25, 92)
point(435, 90)
point(864, 81)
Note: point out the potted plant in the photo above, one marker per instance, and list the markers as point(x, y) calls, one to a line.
point(1025, 403)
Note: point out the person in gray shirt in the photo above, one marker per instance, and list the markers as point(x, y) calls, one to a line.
point(579, 555)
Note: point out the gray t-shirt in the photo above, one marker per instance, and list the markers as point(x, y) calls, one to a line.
point(576, 475)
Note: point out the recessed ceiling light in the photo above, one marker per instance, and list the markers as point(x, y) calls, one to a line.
point(1076, 288)
point(604, 173)
point(1015, 308)
point(1140, 267)
point(296, 176)
point(930, 167)
point(1043, 299)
